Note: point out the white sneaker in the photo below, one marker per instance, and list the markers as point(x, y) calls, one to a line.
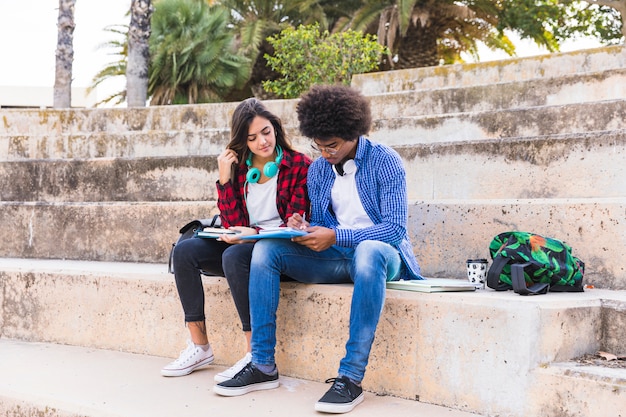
point(233, 370)
point(190, 359)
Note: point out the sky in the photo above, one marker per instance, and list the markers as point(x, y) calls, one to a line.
point(28, 38)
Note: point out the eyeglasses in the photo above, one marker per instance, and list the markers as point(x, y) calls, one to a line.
point(328, 149)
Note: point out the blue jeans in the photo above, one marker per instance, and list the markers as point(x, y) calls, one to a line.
point(369, 266)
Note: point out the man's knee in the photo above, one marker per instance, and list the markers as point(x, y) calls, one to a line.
point(372, 258)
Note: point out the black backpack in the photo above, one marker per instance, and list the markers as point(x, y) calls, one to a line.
point(189, 230)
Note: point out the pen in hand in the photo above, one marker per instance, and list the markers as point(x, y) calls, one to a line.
point(302, 225)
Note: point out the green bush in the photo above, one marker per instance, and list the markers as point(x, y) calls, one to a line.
point(305, 57)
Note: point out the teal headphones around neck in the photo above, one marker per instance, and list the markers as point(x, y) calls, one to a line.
point(270, 169)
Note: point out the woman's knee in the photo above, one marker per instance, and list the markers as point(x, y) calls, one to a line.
point(186, 250)
point(236, 260)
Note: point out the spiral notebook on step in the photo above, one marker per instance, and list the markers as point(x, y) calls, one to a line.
point(432, 285)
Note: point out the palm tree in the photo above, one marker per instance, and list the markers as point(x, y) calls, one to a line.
point(138, 53)
point(423, 32)
point(420, 32)
point(193, 56)
point(256, 20)
point(64, 55)
point(116, 68)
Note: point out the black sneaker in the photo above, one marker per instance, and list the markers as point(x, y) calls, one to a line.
point(247, 380)
point(342, 397)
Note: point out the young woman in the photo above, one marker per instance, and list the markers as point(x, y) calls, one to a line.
point(262, 182)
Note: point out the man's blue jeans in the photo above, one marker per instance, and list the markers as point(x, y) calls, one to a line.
point(369, 266)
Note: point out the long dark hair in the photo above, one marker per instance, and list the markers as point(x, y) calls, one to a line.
point(245, 112)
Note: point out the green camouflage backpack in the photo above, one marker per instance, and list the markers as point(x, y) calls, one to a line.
point(532, 264)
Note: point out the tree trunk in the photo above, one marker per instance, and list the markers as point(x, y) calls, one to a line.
point(418, 47)
point(138, 53)
point(64, 55)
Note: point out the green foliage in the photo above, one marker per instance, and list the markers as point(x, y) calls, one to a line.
point(115, 69)
point(550, 22)
point(305, 56)
point(193, 56)
point(458, 25)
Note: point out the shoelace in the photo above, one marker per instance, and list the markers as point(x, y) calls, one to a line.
point(185, 354)
point(246, 370)
point(339, 386)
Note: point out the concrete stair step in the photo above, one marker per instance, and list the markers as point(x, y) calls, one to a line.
point(485, 73)
point(100, 231)
point(546, 91)
point(444, 232)
point(399, 125)
point(178, 178)
point(141, 132)
point(463, 350)
point(593, 161)
point(404, 119)
point(516, 123)
point(49, 380)
point(598, 391)
point(579, 165)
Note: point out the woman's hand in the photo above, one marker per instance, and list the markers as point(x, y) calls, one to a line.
point(225, 162)
point(235, 238)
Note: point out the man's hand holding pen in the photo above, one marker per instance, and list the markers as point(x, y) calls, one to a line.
point(298, 221)
point(318, 238)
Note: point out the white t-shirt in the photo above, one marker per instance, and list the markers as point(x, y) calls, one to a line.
point(261, 203)
point(346, 202)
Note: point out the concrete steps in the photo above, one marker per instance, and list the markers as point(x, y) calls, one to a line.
point(145, 231)
point(101, 383)
point(486, 73)
point(545, 91)
point(568, 165)
point(515, 123)
point(462, 350)
point(444, 232)
point(585, 390)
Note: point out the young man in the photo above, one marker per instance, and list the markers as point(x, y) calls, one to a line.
point(357, 233)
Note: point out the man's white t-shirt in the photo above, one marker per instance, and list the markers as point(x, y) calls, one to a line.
point(345, 200)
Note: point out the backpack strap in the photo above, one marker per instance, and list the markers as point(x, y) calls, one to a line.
point(519, 283)
point(493, 275)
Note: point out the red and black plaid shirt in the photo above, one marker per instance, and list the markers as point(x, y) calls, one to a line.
point(291, 191)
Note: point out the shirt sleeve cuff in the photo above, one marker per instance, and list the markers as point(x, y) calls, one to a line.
point(344, 237)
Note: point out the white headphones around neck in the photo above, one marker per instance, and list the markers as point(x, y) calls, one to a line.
point(345, 167)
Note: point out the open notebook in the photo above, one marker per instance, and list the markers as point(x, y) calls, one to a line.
point(276, 233)
point(432, 285)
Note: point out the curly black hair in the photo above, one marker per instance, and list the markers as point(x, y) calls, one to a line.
point(328, 111)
